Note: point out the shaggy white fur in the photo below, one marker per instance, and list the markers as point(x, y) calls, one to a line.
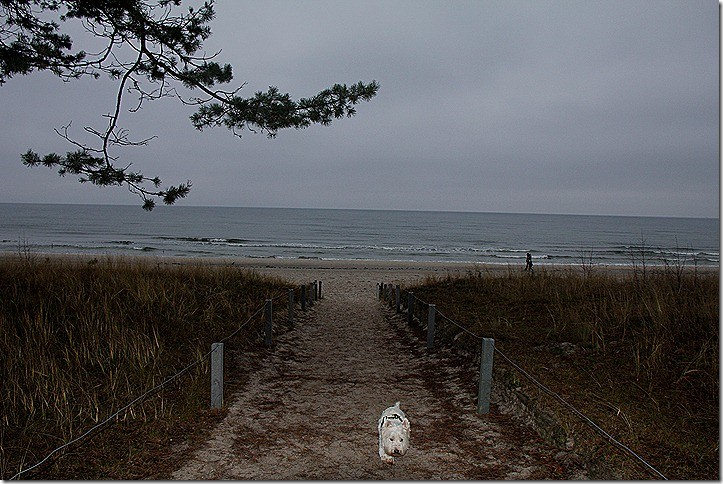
point(393, 434)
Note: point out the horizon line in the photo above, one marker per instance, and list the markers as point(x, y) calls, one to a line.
point(369, 210)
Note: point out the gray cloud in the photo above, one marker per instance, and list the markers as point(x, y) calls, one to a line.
point(606, 107)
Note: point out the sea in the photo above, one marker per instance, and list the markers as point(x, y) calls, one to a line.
point(331, 234)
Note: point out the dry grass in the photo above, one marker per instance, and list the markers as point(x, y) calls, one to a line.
point(646, 365)
point(80, 340)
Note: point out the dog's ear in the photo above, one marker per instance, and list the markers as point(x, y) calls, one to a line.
point(405, 424)
point(388, 423)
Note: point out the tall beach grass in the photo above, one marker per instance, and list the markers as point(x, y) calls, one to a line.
point(645, 357)
point(82, 339)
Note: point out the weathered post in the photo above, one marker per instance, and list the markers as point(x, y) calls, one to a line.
point(410, 308)
point(316, 291)
point(399, 299)
point(320, 295)
point(291, 306)
point(217, 375)
point(485, 375)
point(268, 315)
point(303, 297)
point(430, 326)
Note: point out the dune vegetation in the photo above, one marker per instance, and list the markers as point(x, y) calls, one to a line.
point(637, 350)
point(81, 339)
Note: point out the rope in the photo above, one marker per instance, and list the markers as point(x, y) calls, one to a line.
point(582, 416)
point(282, 295)
point(460, 327)
point(561, 400)
point(244, 324)
point(423, 302)
point(150, 392)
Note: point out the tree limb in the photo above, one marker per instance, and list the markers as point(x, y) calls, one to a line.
point(165, 47)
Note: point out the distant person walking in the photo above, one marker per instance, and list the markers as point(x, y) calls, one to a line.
point(528, 262)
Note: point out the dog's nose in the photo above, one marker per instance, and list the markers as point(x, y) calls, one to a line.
point(397, 452)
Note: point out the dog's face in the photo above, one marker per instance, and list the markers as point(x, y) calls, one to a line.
point(395, 437)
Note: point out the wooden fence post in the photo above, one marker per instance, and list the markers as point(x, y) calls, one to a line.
point(303, 297)
point(217, 375)
point(268, 315)
point(485, 375)
point(410, 308)
point(430, 326)
point(399, 299)
point(291, 306)
point(320, 295)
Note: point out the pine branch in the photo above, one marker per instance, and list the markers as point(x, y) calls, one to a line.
point(165, 44)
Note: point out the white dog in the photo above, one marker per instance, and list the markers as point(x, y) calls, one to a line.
point(393, 434)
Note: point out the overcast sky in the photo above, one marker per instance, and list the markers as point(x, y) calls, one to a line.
point(591, 107)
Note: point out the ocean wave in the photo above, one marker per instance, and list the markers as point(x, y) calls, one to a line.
point(346, 251)
point(212, 240)
point(561, 255)
point(245, 243)
point(232, 246)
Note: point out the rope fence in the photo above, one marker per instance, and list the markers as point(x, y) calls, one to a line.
point(386, 291)
point(309, 293)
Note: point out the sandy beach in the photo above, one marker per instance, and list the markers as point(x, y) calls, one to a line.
point(369, 272)
point(298, 270)
point(342, 363)
point(372, 359)
point(361, 272)
point(310, 409)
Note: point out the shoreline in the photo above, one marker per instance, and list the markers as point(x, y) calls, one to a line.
point(272, 264)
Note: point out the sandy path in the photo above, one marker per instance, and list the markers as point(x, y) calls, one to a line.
point(310, 411)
